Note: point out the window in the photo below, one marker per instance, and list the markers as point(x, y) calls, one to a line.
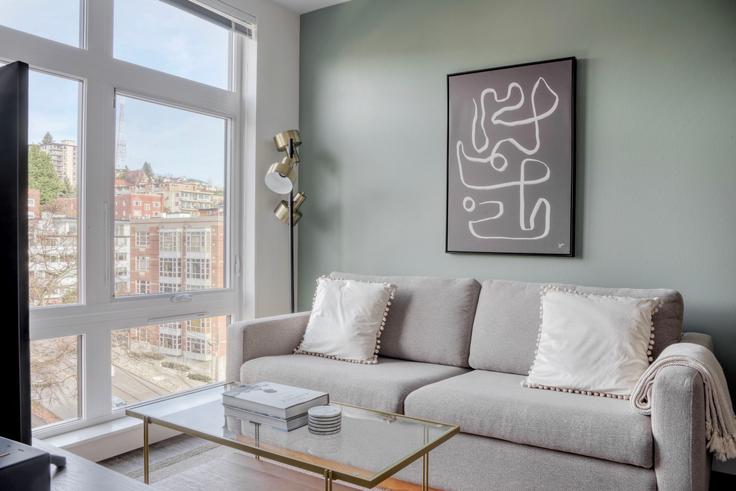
point(141, 263)
point(111, 206)
point(162, 359)
point(57, 20)
point(184, 167)
point(198, 269)
point(141, 239)
point(169, 287)
point(201, 326)
point(170, 267)
point(166, 38)
point(168, 241)
point(198, 241)
point(53, 248)
point(169, 342)
point(197, 346)
point(54, 380)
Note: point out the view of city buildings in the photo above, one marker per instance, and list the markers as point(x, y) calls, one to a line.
point(168, 237)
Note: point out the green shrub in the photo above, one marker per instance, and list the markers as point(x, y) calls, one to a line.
point(175, 366)
point(199, 377)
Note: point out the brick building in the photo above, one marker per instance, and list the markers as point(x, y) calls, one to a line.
point(34, 204)
point(129, 206)
point(176, 254)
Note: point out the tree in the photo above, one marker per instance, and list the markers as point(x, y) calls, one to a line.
point(54, 379)
point(67, 189)
point(47, 139)
point(52, 261)
point(42, 176)
point(148, 170)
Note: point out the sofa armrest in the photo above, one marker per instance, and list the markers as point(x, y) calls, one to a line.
point(698, 338)
point(268, 336)
point(681, 459)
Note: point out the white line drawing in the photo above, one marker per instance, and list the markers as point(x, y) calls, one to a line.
point(498, 162)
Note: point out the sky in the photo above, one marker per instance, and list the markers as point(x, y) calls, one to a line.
point(150, 33)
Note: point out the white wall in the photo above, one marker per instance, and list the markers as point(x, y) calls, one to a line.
point(276, 108)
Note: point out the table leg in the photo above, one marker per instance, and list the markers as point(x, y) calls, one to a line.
point(425, 472)
point(425, 463)
point(146, 423)
point(257, 437)
point(328, 480)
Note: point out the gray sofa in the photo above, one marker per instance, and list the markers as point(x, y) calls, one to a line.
point(456, 350)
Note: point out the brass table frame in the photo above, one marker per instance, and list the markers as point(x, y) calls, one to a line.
point(329, 474)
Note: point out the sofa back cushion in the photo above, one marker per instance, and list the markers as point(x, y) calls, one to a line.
point(430, 320)
point(507, 322)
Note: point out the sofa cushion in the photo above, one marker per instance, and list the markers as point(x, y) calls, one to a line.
point(507, 322)
point(431, 318)
point(382, 386)
point(495, 405)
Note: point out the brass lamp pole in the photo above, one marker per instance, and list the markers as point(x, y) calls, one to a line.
point(280, 179)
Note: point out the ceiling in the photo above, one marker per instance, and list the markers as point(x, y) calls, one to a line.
point(304, 6)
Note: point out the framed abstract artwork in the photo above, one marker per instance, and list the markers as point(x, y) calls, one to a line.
point(511, 159)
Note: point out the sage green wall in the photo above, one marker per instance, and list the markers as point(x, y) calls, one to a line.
point(656, 141)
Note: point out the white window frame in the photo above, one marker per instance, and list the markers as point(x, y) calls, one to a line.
point(99, 312)
point(173, 272)
point(205, 272)
point(165, 235)
point(143, 244)
point(142, 263)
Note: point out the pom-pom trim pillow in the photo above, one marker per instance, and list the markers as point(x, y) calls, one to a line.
point(347, 320)
point(592, 344)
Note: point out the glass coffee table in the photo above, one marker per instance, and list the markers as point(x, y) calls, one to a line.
point(371, 446)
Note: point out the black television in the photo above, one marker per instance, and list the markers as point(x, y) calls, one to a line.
point(15, 364)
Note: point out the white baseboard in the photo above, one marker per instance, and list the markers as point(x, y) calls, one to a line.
point(100, 442)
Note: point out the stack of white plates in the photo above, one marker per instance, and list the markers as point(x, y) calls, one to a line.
point(324, 420)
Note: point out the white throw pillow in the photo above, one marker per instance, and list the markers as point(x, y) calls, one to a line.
point(347, 320)
point(592, 344)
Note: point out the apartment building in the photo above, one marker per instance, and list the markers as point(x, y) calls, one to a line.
point(138, 205)
point(180, 253)
point(190, 196)
point(64, 156)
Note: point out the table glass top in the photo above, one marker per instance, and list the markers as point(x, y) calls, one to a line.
point(370, 447)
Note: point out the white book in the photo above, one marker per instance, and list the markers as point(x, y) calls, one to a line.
point(240, 416)
point(276, 400)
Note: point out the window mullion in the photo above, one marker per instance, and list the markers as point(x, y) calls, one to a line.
point(96, 382)
point(96, 206)
point(99, 27)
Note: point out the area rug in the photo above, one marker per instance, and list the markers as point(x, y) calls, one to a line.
point(185, 463)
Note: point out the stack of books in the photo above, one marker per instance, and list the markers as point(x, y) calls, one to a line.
point(280, 406)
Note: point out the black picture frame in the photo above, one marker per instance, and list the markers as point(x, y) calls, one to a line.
point(573, 158)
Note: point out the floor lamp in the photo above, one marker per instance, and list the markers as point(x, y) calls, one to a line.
point(280, 179)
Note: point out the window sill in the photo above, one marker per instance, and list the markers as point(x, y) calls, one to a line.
point(108, 439)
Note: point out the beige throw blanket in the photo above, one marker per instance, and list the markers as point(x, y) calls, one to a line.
point(720, 422)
